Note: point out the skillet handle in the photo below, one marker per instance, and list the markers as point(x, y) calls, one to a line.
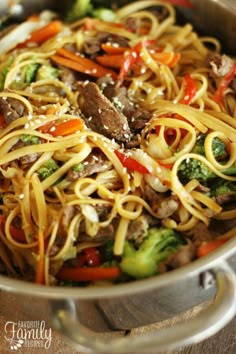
point(194, 330)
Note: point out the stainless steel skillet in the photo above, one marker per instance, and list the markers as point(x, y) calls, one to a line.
point(131, 305)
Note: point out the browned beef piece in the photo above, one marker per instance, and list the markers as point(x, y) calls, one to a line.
point(100, 114)
point(94, 163)
point(92, 44)
point(138, 228)
point(183, 256)
point(12, 109)
point(163, 206)
point(220, 64)
point(67, 76)
point(137, 117)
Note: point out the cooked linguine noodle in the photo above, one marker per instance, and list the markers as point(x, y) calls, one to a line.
point(53, 207)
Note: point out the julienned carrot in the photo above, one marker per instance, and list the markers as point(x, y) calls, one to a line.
point(40, 276)
point(207, 247)
point(81, 64)
point(41, 35)
point(66, 128)
point(88, 274)
point(168, 58)
point(112, 61)
point(112, 50)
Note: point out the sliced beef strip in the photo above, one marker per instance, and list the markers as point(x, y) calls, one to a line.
point(220, 65)
point(138, 228)
point(184, 255)
point(164, 206)
point(94, 163)
point(12, 109)
point(92, 44)
point(68, 76)
point(137, 117)
point(101, 115)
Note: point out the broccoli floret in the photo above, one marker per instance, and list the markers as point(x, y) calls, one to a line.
point(30, 72)
point(79, 167)
point(28, 139)
point(223, 187)
point(194, 169)
point(104, 14)
point(143, 262)
point(218, 147)
point(46, 72)
point(78, 9)
point(4, 73)
point(47, 169)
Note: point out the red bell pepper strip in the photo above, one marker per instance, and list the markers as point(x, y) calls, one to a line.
point(224, 83)
point(207, 247)
point(17, 234)
point(90, 256)
point(88, 274)
point(130, 163)
point(2, 121)
point(133, 57)
point(190, 89)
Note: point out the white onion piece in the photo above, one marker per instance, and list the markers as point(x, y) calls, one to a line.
point(19, 35)
point(90, 213)
point(155, 183)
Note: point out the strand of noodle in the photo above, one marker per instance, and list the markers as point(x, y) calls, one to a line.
point(38, 97)
point(103, 27)
point(206, 201)
point(109, 152)
point(209, 152)
point(39, 162)
point(59, 195)
point(229, 234)
point(18, 96)
point(188, 225)
point(27, 150)
point(137, 6)
point(131, 215)
point(13, 213)
point(121, 231)
point(226, 215)
point(71, 236)
point(11, 75)
point(56, 83)
point(222, 116)
point(49, 181)
point(211, 40)
point(25, 211)
point(40, 203)
point(203, 118)
point(93, 186)
point(53, 235)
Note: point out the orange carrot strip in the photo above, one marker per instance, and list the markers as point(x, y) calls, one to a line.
point(40, 276)
point(67, 128)
point(41, 35)
point(208, 247)
point(113, 61)
point(168, 58)
point(111, 49)
point(89, 66)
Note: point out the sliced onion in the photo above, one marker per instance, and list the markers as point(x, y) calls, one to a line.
point(155, 183)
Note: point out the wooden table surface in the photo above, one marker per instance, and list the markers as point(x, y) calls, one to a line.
point(223, 342)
